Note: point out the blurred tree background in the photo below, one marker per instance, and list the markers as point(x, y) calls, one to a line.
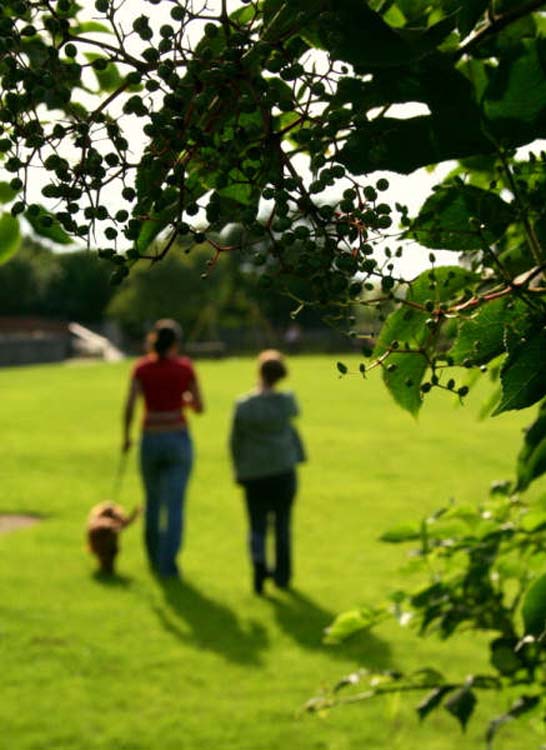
point(75, 285)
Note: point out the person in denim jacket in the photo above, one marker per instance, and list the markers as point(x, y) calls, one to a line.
point(265, 449)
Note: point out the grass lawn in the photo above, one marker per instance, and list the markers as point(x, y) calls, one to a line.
point(136, 665)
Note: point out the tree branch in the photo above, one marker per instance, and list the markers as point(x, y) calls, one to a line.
point(498, 23)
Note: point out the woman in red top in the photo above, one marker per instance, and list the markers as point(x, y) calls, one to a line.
point(168, 385)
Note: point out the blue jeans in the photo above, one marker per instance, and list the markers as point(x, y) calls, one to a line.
point(166, 460)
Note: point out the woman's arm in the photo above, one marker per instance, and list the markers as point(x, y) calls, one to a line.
point(193, 397)
point(129, 412)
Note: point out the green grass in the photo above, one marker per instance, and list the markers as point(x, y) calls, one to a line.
point(135, 665)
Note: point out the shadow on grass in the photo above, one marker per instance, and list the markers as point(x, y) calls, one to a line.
point(193, 617)
point(113, 580)
point(304, 620)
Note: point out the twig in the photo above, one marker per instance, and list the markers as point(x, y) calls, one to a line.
point(498, 23)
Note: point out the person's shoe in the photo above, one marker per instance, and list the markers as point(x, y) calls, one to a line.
point(260, 574)
point(281, 582)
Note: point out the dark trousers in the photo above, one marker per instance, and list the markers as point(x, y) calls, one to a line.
point(271, 499)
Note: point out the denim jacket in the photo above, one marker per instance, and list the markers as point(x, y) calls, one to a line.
point(263, 440)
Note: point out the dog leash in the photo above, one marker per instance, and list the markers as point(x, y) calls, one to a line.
point(118, 477)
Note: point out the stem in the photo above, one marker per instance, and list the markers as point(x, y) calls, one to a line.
point(120, 54)
point(498, 23)
point(530, 234)
point(108, 100)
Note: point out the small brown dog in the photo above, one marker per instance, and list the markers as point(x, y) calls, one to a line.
point(104, 524)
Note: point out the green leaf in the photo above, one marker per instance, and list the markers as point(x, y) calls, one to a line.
point(433, 700)
point(91, 27)
point(46, 225)
point(534, 608)
point(406, 323)
point(355, 33)
point(394, 16)
point(444, 220)
point(470, 12)
point(404, 382)
point(453, 129)
point(480, 338)
point(36, 50)
point(7, 193)
point(347, 624)
point(10, 237)
point(534, 520)
point(151, 173)
point(490, 404)
point(299, 288)
point(425, 41)
point(522, 374)
point(241, 193)
point(531, 462)
point(279, 16)
point(521, 705)
point(77, 110)
point(524, 704)
point(430, 596)
point(108, 79)
point(504, 657)
point(154, 225)
point(407, 326)
point(383, 144)
point(515, 100)
point(243, 15)
point(461, 705)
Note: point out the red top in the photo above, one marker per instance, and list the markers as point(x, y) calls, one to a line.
point(163, 381)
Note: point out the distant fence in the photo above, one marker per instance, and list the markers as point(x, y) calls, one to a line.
point(38, 341)
point(233, 341)
point(25, 349)
point(309, 340)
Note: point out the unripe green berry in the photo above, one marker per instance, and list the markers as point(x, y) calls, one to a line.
point(178, 13)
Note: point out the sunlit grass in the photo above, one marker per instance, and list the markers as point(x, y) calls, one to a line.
point(133, 664)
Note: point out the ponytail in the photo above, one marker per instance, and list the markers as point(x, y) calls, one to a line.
point(166, 333)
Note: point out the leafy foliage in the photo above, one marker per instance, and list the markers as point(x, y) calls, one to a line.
point(483, 566)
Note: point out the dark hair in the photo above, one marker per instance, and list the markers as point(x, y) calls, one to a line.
point(166, 332)
point(272, 370)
